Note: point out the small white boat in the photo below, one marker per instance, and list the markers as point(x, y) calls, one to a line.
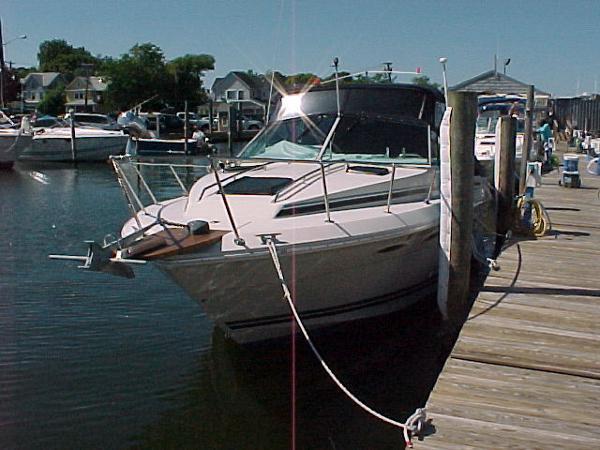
point(91, 144)
point(13, 142)
point(138, 146)
point(485, 135)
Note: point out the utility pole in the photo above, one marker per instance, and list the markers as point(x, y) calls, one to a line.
point(388, 69)
point(1, 68)
point(86, 67)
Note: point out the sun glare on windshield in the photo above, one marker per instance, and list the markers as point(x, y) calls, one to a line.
point(291, 105)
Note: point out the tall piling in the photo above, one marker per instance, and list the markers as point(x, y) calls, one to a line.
point(186, 127)
point(457, 211)
point(527, 138)
point(506, 178)
point(73, 137)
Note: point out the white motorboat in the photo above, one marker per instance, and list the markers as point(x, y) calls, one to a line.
point(344, 184)
point(91, 144)
point(13, 142)
point(490, 109)
point(138, 146)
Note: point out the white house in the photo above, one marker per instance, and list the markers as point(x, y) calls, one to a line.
point(36, 84)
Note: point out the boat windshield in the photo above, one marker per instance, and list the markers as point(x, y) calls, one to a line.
point(486, 123)
point(355, 138)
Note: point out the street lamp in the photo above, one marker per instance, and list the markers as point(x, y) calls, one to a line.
point(506, 63)
point(443, 61)
point(4, 44)
point(23, 36)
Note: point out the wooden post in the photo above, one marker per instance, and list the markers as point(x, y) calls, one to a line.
point(73, 143)
point(462, 167)
point(527, 138)
point(210, 115)
point(230, 127)
point(506, 178)
point(186, 125)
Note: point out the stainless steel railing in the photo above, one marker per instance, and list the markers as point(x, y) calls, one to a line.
point(136, 204)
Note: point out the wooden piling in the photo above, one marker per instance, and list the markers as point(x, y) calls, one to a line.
point(462, 166)
point(230, 127)
point(506, 177)
point(186, 125)
point(73, 140)
point(527, 138)
point(210, 115)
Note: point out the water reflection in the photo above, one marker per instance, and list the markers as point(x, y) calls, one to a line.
point(241, 396)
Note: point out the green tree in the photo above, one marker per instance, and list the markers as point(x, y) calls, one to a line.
point(299, 79)
point(143, 73)
point(53, 102)
point(424, 81)
point(135, 77)
point(185, 82)
point(59, 56)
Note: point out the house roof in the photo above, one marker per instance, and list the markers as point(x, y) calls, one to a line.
point(493, 82)
point(252, 81)
point(40, 79)
point(95, 84)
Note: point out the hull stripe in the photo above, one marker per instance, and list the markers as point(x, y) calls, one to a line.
point(331, 311)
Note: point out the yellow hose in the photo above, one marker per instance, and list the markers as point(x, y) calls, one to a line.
point(540, 221)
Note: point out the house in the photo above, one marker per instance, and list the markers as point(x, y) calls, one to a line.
point(36, 84)
point(493, 82)
point(248, 90)
point(85, 94)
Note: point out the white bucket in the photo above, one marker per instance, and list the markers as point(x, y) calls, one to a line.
point(571, 163)
point(593, 166)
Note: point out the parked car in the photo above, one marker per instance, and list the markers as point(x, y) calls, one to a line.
point(94, 120)
point(194, 120)
point(47, 122)
point(251, 124)
point(172, 122)
point(168, 123)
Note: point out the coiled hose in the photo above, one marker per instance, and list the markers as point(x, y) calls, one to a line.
point(540, 221)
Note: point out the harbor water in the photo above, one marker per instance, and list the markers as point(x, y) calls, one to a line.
point(88, 360)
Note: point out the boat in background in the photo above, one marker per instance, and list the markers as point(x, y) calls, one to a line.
point(138, 146)
point(14, 140)
point(91, 144)
point(490, 108)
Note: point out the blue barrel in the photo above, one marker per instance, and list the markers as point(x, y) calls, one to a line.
point(571, 163)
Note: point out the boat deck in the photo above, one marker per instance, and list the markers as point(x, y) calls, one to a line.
point(525, 372)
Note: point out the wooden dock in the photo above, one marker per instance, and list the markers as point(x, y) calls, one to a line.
point(525, 372)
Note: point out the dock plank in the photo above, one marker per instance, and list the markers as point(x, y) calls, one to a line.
point(525, 371)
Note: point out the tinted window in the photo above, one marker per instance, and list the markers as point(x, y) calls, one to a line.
point(256, 186)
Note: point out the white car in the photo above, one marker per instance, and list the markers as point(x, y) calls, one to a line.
point(193, 119)
point(101, 121)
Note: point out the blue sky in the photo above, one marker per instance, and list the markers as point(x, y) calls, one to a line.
point(552, 44)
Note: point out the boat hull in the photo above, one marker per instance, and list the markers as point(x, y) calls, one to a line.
point(87, 148)
point(11, 147)
point(325, 283)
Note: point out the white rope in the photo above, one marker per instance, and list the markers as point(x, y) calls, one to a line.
point(412, 424)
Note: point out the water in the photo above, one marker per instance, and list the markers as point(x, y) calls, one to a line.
point(92, 361)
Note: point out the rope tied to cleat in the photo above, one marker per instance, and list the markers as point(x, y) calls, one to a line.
point(414, 424)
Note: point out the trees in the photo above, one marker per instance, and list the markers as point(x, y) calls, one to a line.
point(423, 80)
point(53, 102)
point(186, 74)
point(58, 56)
point(136, 76)
point(144, 72)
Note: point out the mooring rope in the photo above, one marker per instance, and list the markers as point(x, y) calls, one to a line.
point(413, 424)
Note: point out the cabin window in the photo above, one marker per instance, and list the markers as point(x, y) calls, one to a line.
point(257, 185)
